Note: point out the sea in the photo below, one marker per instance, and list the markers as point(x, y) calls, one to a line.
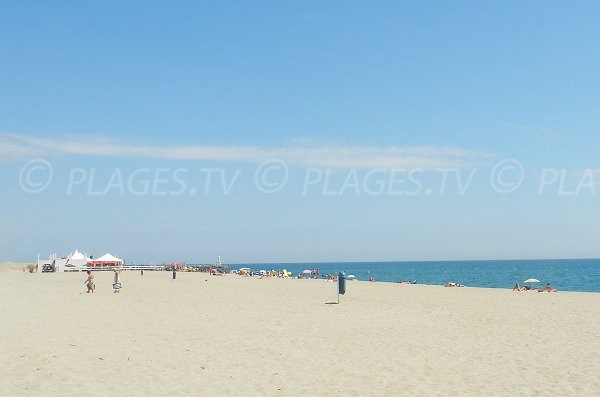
point(563, 274)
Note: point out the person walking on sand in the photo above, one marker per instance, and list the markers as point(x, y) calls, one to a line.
point(89, 282)
point(117, 280)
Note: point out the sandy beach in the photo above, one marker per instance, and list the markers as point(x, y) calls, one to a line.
point(230, 335)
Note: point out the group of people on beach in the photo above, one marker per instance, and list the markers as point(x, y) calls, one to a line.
point(547, 289)
point(452, 284)
point(91, 286)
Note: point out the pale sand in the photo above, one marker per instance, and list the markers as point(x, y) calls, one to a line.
point(239, 336)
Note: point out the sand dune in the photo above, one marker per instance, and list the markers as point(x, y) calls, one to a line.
point(230, 335)
point(10, 266)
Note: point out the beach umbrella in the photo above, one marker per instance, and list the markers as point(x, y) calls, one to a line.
point(306, 271)
point(531, 281)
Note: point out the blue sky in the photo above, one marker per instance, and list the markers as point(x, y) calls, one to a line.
point(309, 118)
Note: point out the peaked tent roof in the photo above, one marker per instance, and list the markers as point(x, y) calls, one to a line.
point(108, 258)
point(79, 256)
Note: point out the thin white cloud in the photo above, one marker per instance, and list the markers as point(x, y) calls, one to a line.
point(550, 136)
point(298, 154)
point(541, 133)
point(10, 150)
point(528, 127)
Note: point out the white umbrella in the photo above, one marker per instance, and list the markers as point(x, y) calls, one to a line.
point(531, 281)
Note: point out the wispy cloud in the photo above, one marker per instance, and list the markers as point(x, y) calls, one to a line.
point(300, 154)
point(550, 136)
point(541, 133)
point(527, 127)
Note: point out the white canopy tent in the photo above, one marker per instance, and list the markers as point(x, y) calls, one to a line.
point(73, 262)
point(106, 260)
point(78, 256)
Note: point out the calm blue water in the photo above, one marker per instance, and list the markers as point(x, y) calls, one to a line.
point(563, 274)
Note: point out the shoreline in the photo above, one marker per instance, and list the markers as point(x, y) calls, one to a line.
point(18, 267)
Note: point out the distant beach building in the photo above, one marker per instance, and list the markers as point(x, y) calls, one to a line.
point(75, 261)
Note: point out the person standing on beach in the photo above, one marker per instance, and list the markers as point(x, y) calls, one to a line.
point(117, 280)
point(89, 282)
